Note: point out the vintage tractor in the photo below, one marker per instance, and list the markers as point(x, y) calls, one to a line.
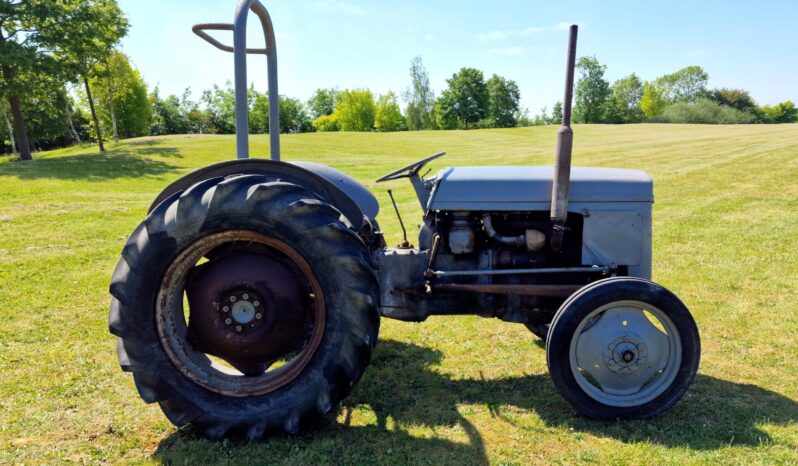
point(249, 299)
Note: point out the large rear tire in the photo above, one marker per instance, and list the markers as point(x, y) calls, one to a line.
point(315, 297)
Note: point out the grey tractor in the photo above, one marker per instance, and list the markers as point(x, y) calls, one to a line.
point(249, 300)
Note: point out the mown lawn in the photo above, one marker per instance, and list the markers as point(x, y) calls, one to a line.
point(458, 390)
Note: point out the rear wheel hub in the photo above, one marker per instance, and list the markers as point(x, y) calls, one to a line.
point(255, 304)
point(224, 317)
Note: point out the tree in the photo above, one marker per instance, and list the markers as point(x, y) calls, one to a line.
point(220, 105)
point(652, 103)
point(125, 108)
point(259, 115)
point(592, 91)
point(28, 32)
point(686, 85)
point(45, 111)
point(420, 98)
point(356, 111)
point(388, 116)
point(784, 112)
point(735, 98)
point(323, 102)
point(556, 113)
point(626, 95)
point(293, 118)
point(503, 98)
point(91, 33)
point(8, 129)
point(465, 101)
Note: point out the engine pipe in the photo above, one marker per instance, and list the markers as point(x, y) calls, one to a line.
point(464, 273)
point(514, 241)
point(562, 163)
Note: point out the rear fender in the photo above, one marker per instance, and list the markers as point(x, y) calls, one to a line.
point(338, 188)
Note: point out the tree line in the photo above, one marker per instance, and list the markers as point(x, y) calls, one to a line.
point(679, 97)
point(64, 81)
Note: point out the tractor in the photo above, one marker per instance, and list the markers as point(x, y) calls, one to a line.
point(249, 299)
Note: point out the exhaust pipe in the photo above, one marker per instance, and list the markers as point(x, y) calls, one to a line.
point(562, 163)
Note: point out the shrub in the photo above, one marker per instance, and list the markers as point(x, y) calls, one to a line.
point(703, 111)
point(326, 123)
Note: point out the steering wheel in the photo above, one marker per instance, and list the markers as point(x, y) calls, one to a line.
point(410, 170)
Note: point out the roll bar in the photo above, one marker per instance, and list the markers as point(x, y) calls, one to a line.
point(240, 51)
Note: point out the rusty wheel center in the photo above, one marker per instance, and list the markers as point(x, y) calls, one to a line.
point(256, 306)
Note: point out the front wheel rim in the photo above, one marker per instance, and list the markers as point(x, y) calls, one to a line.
point(625, 353)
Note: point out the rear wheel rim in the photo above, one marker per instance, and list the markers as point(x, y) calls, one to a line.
point(625, 353)
point(173, 320)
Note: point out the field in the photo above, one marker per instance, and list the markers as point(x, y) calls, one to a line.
point(461, 390)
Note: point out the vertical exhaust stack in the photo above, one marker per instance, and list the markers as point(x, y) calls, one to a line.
point(562, 163)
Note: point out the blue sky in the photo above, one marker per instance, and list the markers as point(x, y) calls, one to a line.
point(360, 44)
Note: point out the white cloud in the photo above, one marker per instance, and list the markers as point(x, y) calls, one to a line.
point(494, 36)
point(532, 30)
point(508, 51)
point(429, 37)
point(500, 35)
point(343, 7)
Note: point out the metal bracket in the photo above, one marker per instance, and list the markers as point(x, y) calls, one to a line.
point(199, 29)
point(240, 50)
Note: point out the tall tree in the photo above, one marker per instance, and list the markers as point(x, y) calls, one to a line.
point(388, 116)
point(28, 32)
point(686, 85)
point(122, 93)
point(503, 98)
point(592, 91)
point(420, 98)
point(94, 29)
point(293, 117)
point(220, 105)
point(465, 101)
point(357, 111)
point(556, 113)
point(626, 95)
point(652, 103)
point(323, 102)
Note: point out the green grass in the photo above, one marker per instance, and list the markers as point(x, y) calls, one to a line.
point(457, 390)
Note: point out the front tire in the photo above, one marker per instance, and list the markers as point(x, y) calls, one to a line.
point(282, 311)
point(623, 348)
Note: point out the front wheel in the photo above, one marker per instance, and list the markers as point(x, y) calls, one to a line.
point(244, 304)
point(623, 348)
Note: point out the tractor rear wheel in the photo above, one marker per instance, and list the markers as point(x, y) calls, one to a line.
point(244, 304)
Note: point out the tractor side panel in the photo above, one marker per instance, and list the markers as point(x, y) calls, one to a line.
point(617, 234)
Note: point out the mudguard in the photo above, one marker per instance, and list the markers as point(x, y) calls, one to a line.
point(340, 189)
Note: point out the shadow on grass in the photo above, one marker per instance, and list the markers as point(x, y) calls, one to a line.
point(403, 390)
point(117, 163)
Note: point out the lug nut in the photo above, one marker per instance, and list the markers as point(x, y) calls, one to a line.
point(245, 296)
point(258, 315)
point(228, 321)
point(232, 299)
point(238, 328)
point(226, 309)
point(256, 303)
